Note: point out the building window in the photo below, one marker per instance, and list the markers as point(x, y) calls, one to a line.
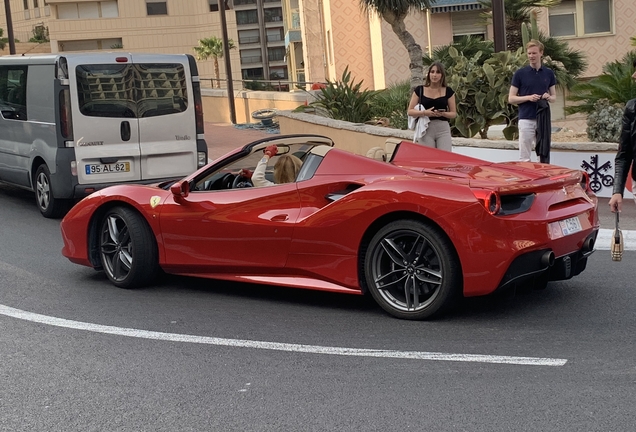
point(255, 73)
point(581, 18)
point(156, 8)
point(246, 17)
point(214, 5)
point(273, 14)
point(35, 4)
point(467, 23)
point(249, 36)
point(90, 45)
point(89, 10)
point(276, 54)
point(26, 4)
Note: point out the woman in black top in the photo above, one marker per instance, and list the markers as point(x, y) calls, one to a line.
point(439, 106)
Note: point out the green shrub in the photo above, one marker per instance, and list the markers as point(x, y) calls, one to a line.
point(605, 122)
point(392, 103)
point(615, 84)
point(344, 100)
point(481, 92)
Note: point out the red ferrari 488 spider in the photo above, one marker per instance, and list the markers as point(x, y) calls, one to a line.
point(416, 232)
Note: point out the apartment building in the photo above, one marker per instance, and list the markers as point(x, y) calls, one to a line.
point(337, 34)
point(261, 39)
point(307, 40)
point(159, 26)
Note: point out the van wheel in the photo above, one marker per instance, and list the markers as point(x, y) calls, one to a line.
point(49, 206)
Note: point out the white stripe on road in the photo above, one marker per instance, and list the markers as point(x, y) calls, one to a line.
point(311, 349)
point(604, 239)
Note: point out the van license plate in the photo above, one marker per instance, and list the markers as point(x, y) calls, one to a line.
point(107, 168)
point(570, 226)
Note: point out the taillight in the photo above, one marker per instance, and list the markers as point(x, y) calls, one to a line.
point(66, 118)
point(489, 199)
point(198, 107)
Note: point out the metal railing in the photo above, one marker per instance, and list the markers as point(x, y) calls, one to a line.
point(280, 85)
point(249, 39)
point(252, 59)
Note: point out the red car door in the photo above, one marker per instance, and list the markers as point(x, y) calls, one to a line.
point(230, 230)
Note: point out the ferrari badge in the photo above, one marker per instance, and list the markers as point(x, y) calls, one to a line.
point(154, 201)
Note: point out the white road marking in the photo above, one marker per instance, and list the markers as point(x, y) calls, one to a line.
point(604, 239)
point(310, 349)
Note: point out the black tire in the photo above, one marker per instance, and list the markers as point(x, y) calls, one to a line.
point(127, 248)
point(49, 206)
point(412, 270)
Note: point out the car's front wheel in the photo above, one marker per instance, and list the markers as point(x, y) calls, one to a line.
point(412, 270)
point(128, 248)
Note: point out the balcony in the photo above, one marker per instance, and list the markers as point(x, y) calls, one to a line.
point(249, 40)
point(251, 59)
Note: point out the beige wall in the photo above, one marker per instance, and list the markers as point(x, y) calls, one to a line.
point(352, 141)
point(216, 105)
point(607, 48)
point(351, 41)
point(314, 52)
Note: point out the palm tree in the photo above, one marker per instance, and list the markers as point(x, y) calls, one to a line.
point(394, 12)
point(615, 85)
point(3, 40)
point(212, 47)
point(517, 12)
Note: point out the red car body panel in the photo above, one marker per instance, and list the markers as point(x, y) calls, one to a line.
point(294, 235)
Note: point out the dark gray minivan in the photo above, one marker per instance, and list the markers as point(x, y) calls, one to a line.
point(74, 123)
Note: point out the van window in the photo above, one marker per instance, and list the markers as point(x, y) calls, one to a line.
point(140, 90)
point(13, 103)
point(106, 90)
point(162, 89)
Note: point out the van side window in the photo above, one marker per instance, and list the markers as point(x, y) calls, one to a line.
point(106, 90)
point(162, 89)
point(131, 91)
point(13, 103)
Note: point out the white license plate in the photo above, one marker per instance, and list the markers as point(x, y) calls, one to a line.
point(107, 168)
point(570, 226)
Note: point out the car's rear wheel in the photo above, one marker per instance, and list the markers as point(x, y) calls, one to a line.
point(49, 206)
point(128, 248)
point(412, 270)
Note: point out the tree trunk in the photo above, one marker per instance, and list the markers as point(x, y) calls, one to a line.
point(216, 73)
point(416, 64)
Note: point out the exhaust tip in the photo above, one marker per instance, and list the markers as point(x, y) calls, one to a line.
point(547, 259)
point(588, 245)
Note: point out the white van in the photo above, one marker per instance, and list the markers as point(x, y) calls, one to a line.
point(77, 122)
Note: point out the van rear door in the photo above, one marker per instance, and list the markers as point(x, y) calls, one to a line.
point(105, 124)
point(166, 112)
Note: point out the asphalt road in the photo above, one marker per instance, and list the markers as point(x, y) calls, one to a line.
point(91, 373)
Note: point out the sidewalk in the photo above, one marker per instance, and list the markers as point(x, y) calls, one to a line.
point(224, 137)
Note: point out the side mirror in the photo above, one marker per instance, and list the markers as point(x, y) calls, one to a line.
point(180, 189)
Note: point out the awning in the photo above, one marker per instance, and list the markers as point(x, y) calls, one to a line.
point(443, 6)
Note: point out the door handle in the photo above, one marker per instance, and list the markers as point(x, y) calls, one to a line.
point(124, 129)
point(280, 218)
